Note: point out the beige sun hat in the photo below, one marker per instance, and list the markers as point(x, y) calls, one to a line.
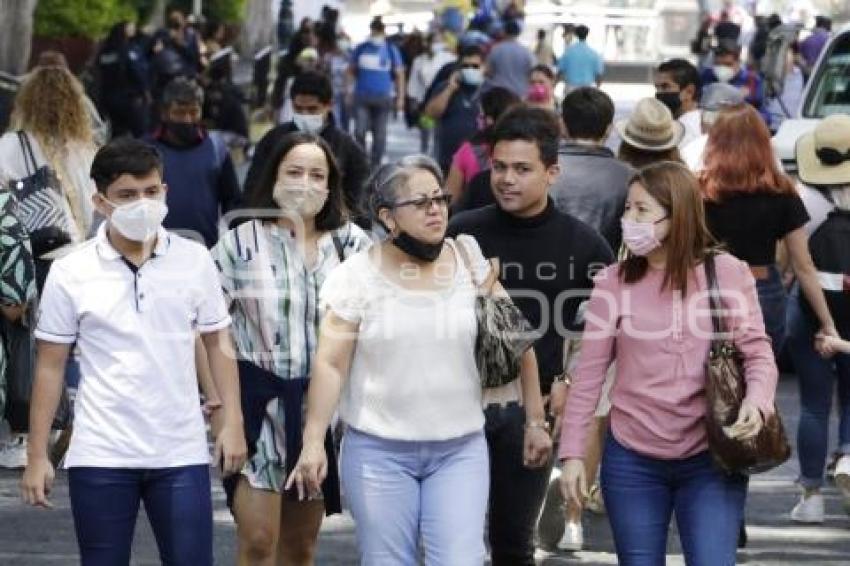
point(823, 155)
point(651, 127)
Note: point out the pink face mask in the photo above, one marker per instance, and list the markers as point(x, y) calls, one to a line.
point(640, 237)
point(538, 93)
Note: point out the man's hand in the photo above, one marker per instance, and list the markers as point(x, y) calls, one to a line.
point(230, 448)
point(537, 447)
point(37, 482)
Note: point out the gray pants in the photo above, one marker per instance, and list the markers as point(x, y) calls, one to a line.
point(371, 114)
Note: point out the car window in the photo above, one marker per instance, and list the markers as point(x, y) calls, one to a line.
point(830, 90)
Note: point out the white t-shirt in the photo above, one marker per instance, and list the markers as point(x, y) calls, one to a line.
point(413, 375)
point(692, 121)
point(137, 403)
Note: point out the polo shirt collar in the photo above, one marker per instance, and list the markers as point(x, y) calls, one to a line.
point(108, 252)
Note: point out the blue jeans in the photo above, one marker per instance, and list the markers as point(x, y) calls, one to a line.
point(400, 491)
point(371, 114)
point(641, 493)
point(773, 302)
point(817, 379)
point(105, 504)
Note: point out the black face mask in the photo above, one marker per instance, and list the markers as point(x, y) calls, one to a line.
point(671, 100)
point(183, 133)
point(413, 247)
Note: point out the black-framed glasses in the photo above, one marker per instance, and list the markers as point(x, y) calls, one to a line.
point(470, 66)
point(831, 156)
point(424, 203)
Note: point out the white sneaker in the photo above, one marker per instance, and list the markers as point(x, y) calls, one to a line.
point(13, 453)
point(842, 479)
point(809, 509)
point(573, 539)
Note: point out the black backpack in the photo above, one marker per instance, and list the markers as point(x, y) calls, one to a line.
point(830, 250)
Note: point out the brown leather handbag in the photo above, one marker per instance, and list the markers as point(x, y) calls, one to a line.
point(725, 389)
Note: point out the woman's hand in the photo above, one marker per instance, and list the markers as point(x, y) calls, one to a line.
point(537, 447)
point(574, 482)
point(310, 471)
point(748, 425)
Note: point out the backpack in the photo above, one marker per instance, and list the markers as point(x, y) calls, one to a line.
point(831, 256)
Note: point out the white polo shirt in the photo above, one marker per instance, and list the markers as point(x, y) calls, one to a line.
point(137, 404)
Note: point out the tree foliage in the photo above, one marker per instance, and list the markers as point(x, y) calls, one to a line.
point(80, 18)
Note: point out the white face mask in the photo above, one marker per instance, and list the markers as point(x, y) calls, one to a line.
point(472, 77)
point(311, 123)
point(724, 73)
point(298, 198)
point(139, 220)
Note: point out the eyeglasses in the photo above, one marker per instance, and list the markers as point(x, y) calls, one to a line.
point(424, 203)
point(470, 66)
point(831, 156)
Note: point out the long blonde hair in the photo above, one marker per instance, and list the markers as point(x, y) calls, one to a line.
point(51, 106)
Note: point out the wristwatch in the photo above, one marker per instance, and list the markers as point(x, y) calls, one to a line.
point(564, 378)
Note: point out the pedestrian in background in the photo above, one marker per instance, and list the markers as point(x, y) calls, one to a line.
point(377, 72)
point(473, 156)
point(312, 104)
point(593, 183)
point(678, 86)
point(509, 62)
point(580, 65)
point(123, 69)
point(198, 169)
point(820, 377)
point(649, 135)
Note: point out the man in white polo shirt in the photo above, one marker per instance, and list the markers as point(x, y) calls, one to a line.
point(133, 299)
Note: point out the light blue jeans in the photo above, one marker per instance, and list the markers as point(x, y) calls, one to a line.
point(401, 491)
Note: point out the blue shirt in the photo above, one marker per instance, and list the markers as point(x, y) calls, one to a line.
point(580, 65)
point(375, 64)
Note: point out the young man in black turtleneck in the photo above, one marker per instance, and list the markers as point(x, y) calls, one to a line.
point(547, 261)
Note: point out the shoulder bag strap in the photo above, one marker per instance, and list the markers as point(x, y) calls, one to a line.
point(340, 249)
point(26, 149)
point(486, 286)
point(713, 294)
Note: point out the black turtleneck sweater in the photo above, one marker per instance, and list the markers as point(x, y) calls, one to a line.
point(547, 263)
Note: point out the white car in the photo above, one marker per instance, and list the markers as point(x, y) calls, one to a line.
point(827, 92)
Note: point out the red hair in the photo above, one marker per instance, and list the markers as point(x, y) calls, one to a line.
point(739, 156)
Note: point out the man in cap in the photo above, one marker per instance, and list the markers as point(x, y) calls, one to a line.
point(715, 97)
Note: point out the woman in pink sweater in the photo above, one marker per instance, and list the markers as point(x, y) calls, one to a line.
point(650, 315)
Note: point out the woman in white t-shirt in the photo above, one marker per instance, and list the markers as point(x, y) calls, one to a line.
point(397, 344)
point(50, 109)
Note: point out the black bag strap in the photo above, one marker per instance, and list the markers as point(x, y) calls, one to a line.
point(340, 249)
point(26, 149)
point(713, 294)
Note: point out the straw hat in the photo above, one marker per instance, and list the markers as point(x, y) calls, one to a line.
point(823, 155)
point(651, 127)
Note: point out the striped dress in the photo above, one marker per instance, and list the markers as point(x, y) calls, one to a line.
point(273, 300)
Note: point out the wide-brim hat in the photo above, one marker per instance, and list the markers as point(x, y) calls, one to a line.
point(651, 127)
point(831, 133)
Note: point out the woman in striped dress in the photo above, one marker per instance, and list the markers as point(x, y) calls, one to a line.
point(271, 269)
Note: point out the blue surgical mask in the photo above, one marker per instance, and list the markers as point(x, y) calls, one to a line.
point(472, 77)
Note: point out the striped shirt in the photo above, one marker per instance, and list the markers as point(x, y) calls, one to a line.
point(273, 296)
